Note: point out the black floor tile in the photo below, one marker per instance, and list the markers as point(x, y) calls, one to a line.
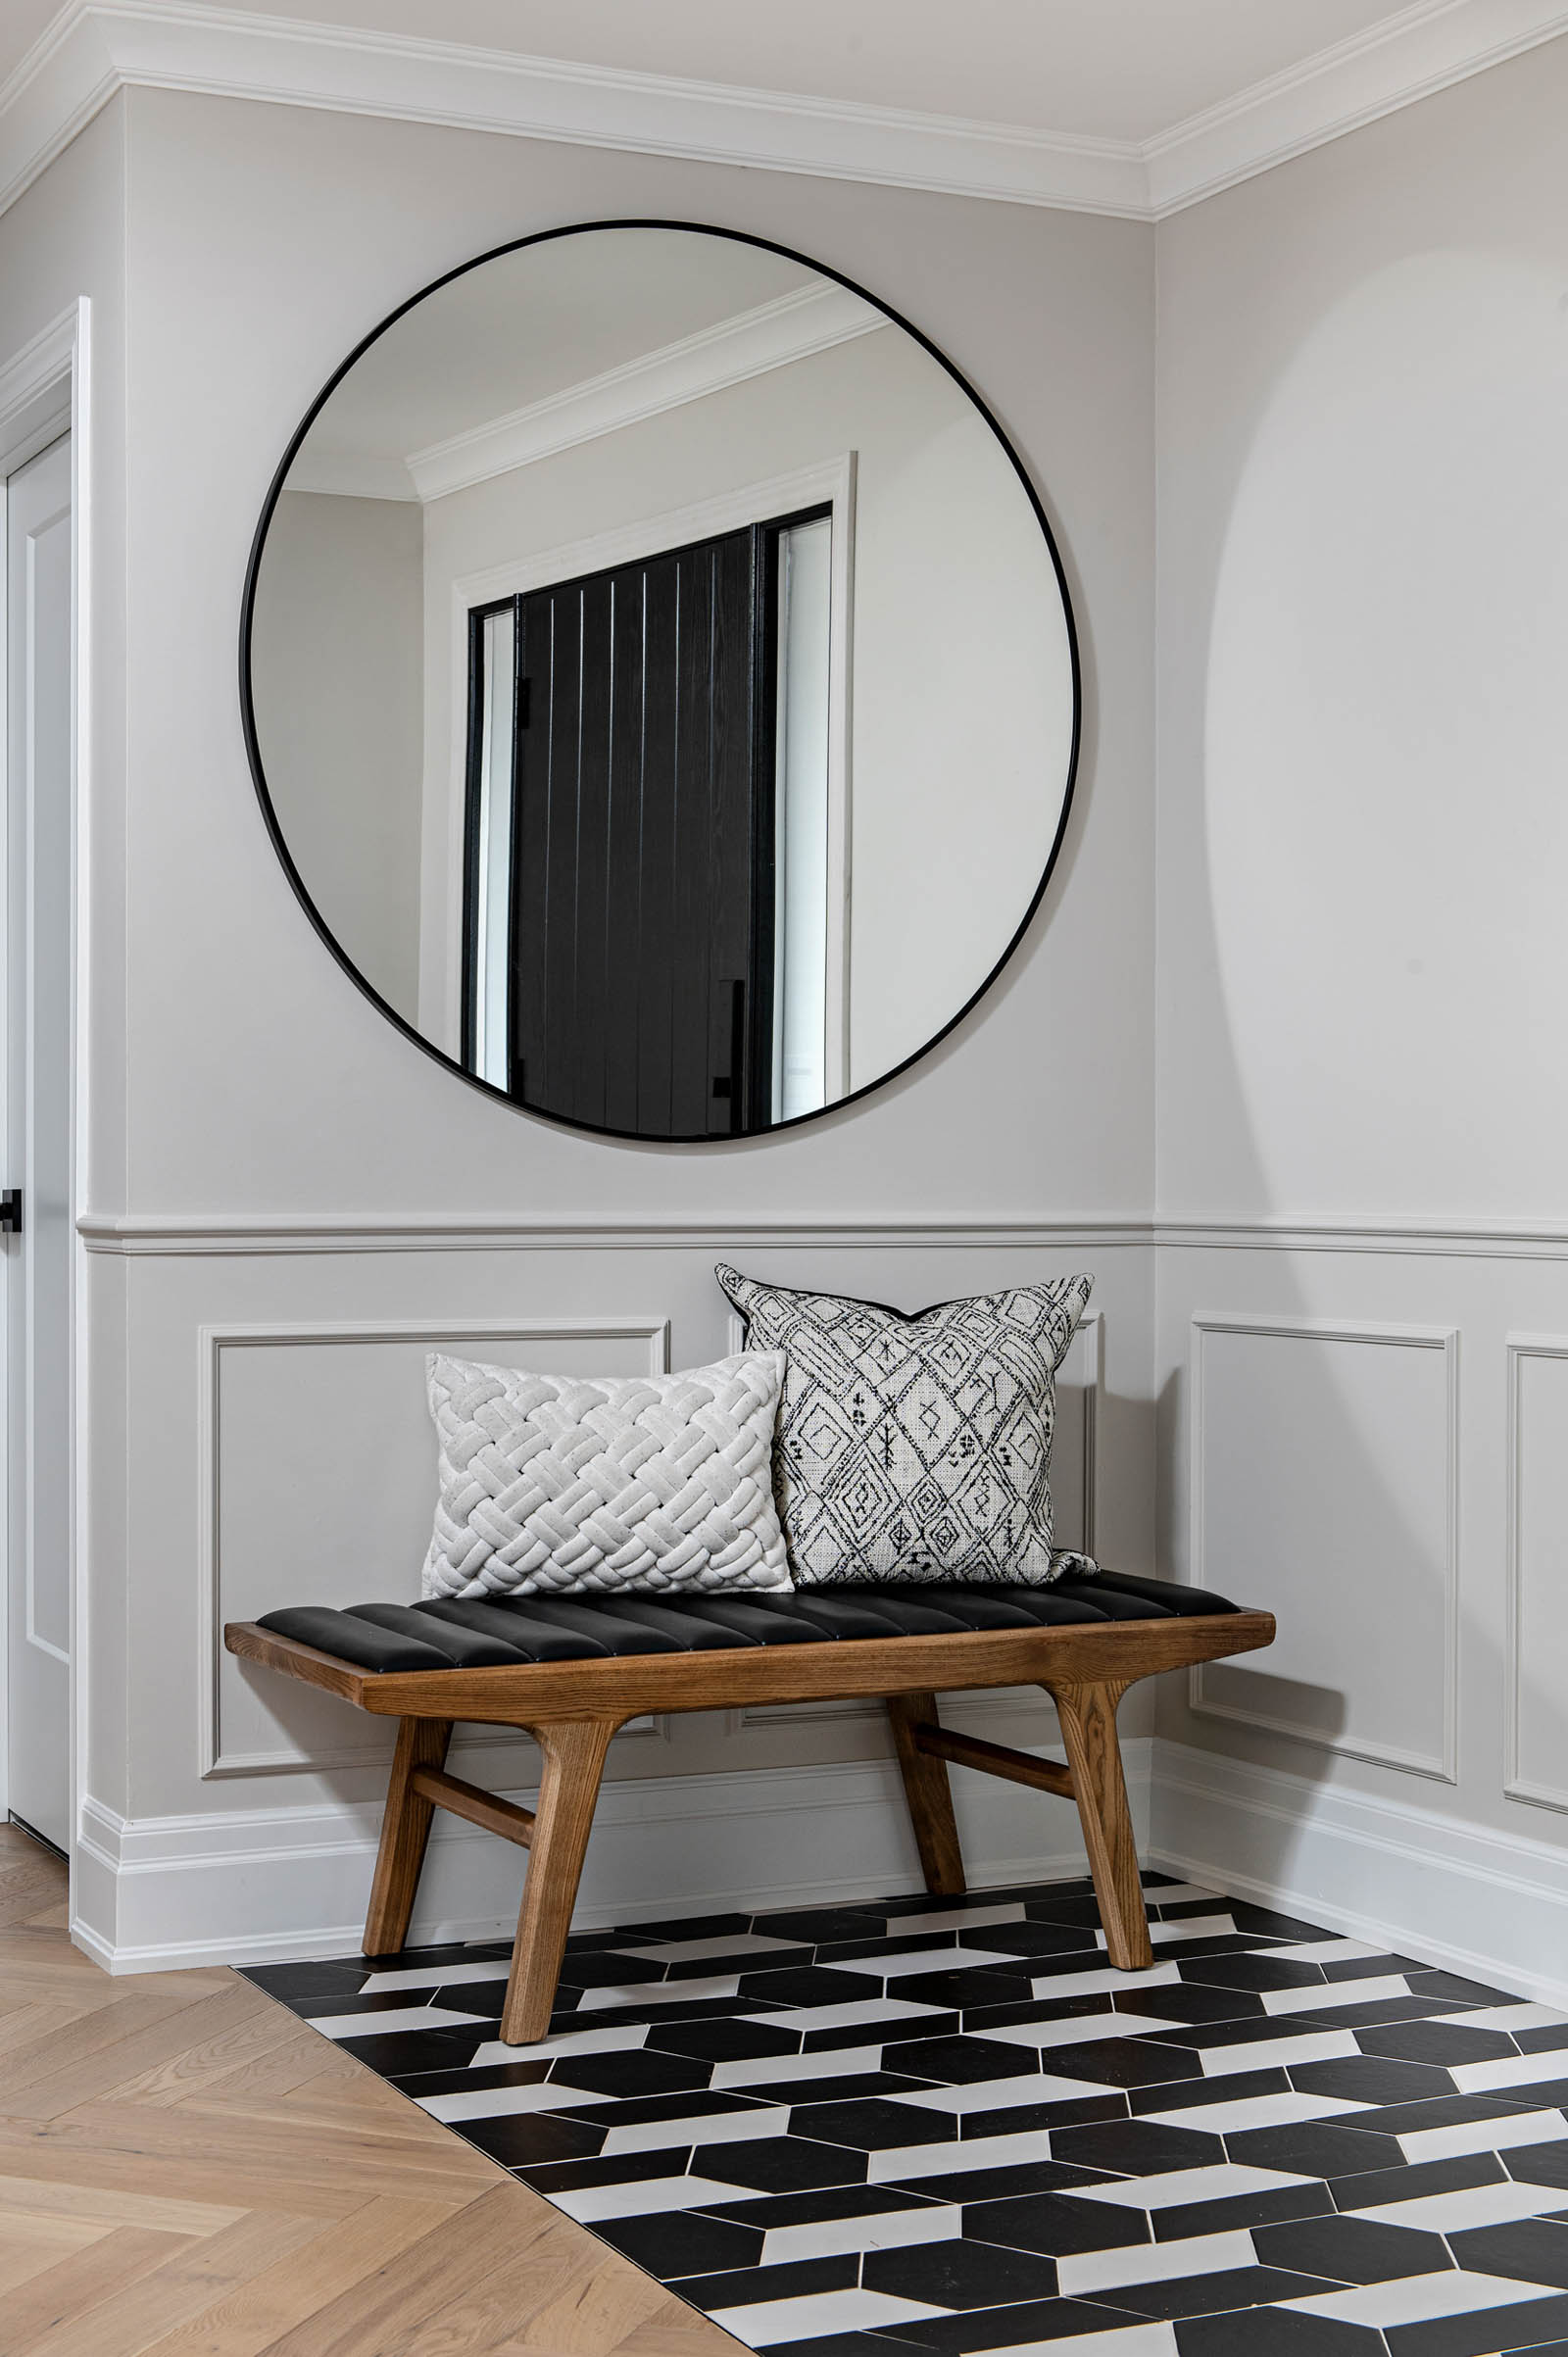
point(1314, 2148)
point(1038, 1940)
point(814, 2208)
point(980, 1985)
point(874, 2126)
point(960, 2273)
point(1138, 2148)
point(626, 2072)
point(721, 2040)
point(1544, 2040)
point(956, 2061)
point(1056, 2224)
point(1121, 2061)
point(671, 2244)
point(1007, 2181)
point(741, 2286)
point(1195, 2094)
point(622, 2169)
point(1188, 2001)
point(1445, 2042)
point(1274, 2333)
point(1269, 1925)
point(1020, 2118)
point(1412, 2182)
point(1443, 2111)
point(1249, 1972)
point(1539, 2164)
point(813, 1987)
point(779, 2164)
point(1179, 2222)
point(1427, 1983)
point(1371, 2078)
point(394, 2054)
point(523, 2139)
point(1353, 2250)
point(1478, 2334)
point(1009, 2328)
point(1532, 2250)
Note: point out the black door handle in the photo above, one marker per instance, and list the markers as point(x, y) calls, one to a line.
point(11, 1211)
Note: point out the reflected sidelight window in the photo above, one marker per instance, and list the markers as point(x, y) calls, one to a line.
point(648, 929)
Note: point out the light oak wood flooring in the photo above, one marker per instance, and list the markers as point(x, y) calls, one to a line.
point(188, 2171)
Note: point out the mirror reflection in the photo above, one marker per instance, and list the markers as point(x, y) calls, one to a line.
point(662, 682)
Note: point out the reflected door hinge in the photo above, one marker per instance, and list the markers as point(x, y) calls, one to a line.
point(11, 1211)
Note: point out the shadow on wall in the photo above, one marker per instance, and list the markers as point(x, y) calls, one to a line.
point(1370, 865)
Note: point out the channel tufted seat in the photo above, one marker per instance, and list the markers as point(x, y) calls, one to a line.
point(571, 1672)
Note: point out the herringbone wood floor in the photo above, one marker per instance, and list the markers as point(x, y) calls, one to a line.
point(186, 2171)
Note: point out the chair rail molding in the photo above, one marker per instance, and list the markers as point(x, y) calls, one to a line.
point(98, 47)
point(218, 1341)
point(1442, 1766)
point(1522, 1349)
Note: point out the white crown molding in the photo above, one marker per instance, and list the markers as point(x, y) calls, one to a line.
point(97, 47)
point(809, 319)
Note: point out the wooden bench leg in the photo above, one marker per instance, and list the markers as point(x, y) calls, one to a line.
point(568, 1786)
point(405, 1831)
point(929, 1796)
point(1088, 1716)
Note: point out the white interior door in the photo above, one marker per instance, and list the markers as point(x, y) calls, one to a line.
point(36, 1143)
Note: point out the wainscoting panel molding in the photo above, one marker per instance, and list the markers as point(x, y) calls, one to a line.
point(1535, 1644)
point(1325, 1474)
point(320, 1435)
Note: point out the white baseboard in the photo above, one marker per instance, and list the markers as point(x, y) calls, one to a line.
point(1403, 1877)
point(269, 1886)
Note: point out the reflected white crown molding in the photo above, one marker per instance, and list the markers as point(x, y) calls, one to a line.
point(808, 319)
point(97, 47)
point(351, 474)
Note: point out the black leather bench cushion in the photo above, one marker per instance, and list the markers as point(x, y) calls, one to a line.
point(493, 1633)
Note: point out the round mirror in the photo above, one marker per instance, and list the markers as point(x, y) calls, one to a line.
point(659, 681)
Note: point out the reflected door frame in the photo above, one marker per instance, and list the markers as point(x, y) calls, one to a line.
point(44, 394)
point(443, 865)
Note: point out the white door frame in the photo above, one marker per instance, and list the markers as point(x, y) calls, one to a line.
point(44, 391)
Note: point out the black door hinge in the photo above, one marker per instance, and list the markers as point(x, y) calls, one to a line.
point(11, 1211)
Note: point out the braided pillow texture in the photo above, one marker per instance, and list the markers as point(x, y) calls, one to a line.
point(561, 1484)
point(916, 1447)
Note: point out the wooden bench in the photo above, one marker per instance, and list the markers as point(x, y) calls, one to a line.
point(570, 1674)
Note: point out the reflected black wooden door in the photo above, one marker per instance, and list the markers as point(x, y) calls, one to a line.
point(641, 904)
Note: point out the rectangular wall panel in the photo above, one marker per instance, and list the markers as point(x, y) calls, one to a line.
point(1538, 1556)
point(1323, 1492)
point(321, 1463)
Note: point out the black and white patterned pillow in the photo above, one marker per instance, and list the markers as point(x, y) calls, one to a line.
point(915, 1447)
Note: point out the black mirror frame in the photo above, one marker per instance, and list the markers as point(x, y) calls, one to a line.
point(253, 748)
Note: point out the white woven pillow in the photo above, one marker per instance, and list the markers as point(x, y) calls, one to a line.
point(560, 1484)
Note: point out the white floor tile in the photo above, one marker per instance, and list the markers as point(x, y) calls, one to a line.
point(858, 2009)
point(1073, 2030)
point(1336, 1992)
point(1415, 2298)
point(1471, 2205)
point(1093, 1983)
point(1496, 2135)
point(1508, 2070)
point(1325, 1951)
point(624, 2038)
point(925, 1960)
point(1135, 2340)
point(1269, 2053)
point(659, 1993)
point(699, 2128)
point(1257, 2111)
point(831, 2062)
point(692, 1951)
point(1085, 2272)
point(431, 1976)
point(913, 2161)
point(1185, 1927)
point(504, 2103)
point(998, 2095)
point(389, 2023)
point(954, 1919)
point(771, 2323)
point(1523, 2016)
point(873, 2230)
point(1178, 2186)
point(644, 2199)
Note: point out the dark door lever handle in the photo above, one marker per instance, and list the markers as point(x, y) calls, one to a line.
point(11, 1211)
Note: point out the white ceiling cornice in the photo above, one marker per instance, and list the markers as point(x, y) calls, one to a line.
point(97, 47)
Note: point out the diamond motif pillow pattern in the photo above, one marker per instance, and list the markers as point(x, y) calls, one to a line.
point(555, 1485)
point(915, 1447)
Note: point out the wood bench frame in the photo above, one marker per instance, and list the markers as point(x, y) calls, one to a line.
point(573, 1709)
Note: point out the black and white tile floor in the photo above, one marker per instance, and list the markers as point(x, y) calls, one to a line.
point(944, 2127)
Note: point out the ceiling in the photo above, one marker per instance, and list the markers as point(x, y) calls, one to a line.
point(1135, 106)
point(1092, 69)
